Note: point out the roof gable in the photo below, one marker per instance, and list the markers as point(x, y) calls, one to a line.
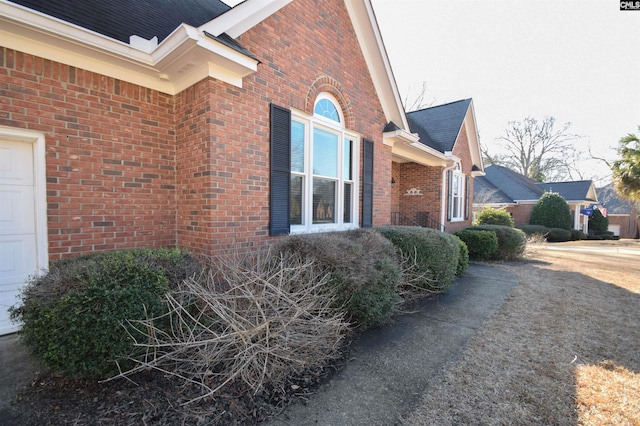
point(439, 126)
point(582, 190)
point(514, 185)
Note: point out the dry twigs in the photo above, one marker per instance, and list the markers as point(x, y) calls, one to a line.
point(260, 321)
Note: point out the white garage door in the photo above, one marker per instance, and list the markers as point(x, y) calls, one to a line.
point(18, 240)
point(615, 229)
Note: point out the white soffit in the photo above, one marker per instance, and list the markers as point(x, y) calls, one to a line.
point(185, 57)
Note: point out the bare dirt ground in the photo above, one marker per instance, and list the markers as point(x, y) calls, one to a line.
point(564, 348)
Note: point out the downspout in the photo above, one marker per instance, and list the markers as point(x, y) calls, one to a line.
point(443, 202)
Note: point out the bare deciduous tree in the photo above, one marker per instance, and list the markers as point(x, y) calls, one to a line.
point(536, 149)
point(416, 101)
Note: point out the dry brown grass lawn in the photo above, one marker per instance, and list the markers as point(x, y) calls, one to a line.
point(564, 349)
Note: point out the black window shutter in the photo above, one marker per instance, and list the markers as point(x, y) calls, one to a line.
point(367, 183)
point(280, 172)
point(449, 194)
point(467, 202)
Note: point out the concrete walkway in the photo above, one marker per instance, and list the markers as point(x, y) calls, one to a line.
point(391, 366)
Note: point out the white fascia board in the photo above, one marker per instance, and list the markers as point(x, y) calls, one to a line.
point(406, 147)
point(368, 34)
point(470, 121)
point(241, 18)
point(390, 138)
point(168, 68)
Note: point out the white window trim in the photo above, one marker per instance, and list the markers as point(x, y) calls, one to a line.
point(457, 172)
point(311, 122)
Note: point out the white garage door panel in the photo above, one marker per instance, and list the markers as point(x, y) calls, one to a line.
point(17, 210)
point(17, 260)
point(16, 163)
point(18, 233)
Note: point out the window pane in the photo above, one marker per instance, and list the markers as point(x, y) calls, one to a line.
point(347, 166)
point(295, 196)
point(324, 201)
point(325, 153)
point(326, 108)
point(347, 203)
point(297, 146)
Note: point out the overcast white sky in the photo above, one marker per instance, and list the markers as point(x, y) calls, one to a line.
point(578, 61)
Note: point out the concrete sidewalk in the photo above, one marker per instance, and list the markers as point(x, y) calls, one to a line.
point(391, 366)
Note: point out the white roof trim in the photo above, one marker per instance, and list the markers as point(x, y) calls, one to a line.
point(185, 57)
point(407, 147)
point(243, 17)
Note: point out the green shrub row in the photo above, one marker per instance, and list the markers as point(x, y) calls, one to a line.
point(79, 318)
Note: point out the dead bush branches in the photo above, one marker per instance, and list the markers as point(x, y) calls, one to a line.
point(261, 320)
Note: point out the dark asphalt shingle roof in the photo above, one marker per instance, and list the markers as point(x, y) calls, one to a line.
point(514, 185)
point(508, 186)
point(570, 191)
point(120, 19)
point(438, 126)
point(486, 193)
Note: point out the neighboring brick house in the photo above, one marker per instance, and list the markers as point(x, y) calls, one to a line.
point(502, 188)
point(435, 188)
point(622, 214)
point(192, 124)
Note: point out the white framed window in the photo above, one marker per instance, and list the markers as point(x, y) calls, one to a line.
point(324, 170)
point(456, 201)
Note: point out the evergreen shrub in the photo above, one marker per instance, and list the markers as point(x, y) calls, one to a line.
point(511, 241)
point(362, 265)
point(463, 260)
point(481, 244)
point(558, 235)
point(490, 216)
point(435, 254)
point(551, 211)
point(75, 317)
point(598, 223)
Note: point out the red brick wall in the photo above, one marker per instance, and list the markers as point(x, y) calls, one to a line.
point(628, 226)
point(306, 48)
point(110, 153)
point(521, 214)
point(128, 166)
point(428, 180)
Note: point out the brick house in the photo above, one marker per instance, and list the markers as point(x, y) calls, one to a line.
point(435, 187)
point(192, 124)
point(502, 188)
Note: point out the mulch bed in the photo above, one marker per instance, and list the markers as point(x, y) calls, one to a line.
point(152, 400)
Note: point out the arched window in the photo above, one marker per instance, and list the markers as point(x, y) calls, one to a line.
point(324, 169)
point(326, 107)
